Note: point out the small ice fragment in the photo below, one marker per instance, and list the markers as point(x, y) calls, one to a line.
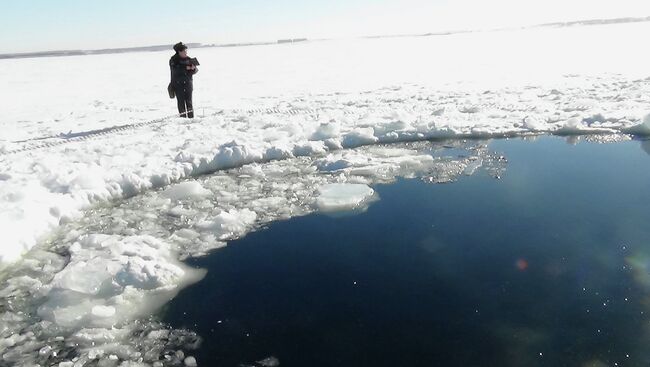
point(46, 350)
point(186, 190)
point(269, 362)
point(103, 311)
point(534, 123)
point(190, 361)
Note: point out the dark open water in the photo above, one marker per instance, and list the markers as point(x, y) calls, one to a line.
point(548, 266)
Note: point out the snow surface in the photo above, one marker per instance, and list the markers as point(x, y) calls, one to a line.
point(287, 130)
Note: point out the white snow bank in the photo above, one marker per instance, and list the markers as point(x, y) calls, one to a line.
point(343, 197)
point(42, 188)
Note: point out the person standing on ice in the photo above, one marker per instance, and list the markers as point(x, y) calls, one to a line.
point(182, 69)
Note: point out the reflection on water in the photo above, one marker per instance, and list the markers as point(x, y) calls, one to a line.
point(645, 145)
point(549, 266)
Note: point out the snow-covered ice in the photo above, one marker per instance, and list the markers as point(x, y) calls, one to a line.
point(304, 99)
point(312, 127)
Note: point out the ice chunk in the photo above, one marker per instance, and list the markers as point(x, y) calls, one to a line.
point(642, 128)
point(577, 126)
point(341, 197)
point(535, 123)
point(229, 224)
point(269, 362)
point(309, 148)
point(186, 190)
point(96, 272)
point(103, 311)
point(327, 165)
point(326, 131)
point(359, 137)
point(190, 361)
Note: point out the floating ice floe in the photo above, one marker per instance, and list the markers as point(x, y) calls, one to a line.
point(341, 197)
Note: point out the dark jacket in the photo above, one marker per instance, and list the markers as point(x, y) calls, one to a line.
point(180, 75)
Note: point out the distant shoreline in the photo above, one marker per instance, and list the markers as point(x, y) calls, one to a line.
point(61, 53)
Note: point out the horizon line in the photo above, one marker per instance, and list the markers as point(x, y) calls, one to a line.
point(161, 47)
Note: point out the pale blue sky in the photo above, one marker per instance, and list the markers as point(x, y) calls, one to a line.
point(33, 25)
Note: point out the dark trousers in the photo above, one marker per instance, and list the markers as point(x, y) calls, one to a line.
point(184, 100)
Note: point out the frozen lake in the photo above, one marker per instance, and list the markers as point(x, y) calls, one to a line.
point(547, 266)
point(104, 203)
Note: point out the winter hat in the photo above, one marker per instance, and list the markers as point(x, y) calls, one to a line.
point(179, 47)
